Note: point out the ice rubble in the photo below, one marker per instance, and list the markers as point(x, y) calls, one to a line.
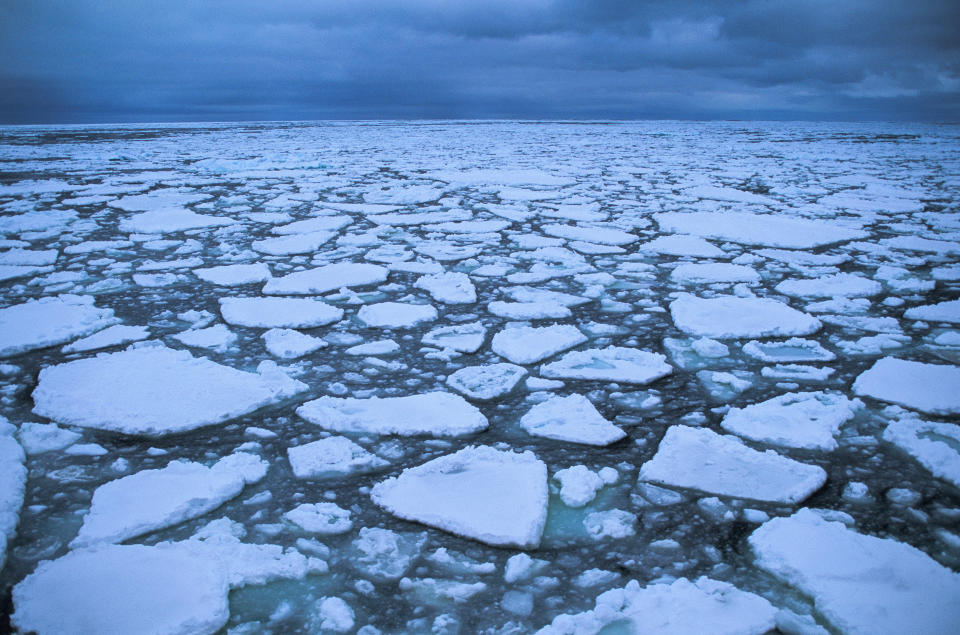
point(808, 420)
point(677, 608)
point(859, 583)
point(730, 317)
point(153, 391)
point(757, 229)
point(572, 418)
point(929, 388)
point(700, 459)
point(330, 457)
point(48, 322)
point(613, 363)
point(435, 414)
point(153, 499)
point(278, 312)
point(529, 345)
point(496, 497)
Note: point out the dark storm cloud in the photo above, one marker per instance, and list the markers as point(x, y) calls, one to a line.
point(124, 60)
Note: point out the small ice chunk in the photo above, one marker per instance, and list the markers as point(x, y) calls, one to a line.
point(610, 523)
point(278, 312)
point(929, 388)
point(332, 615)
point(295, 244)
point(730, 317)
point(448, 287)
point(528, 345)
point(808, 420)
point(380, 347)
point(795, 349)
point(327, 519)
point(392, 315)
point(37, 438)
point(467, 492)
point(384, 554)
point(436, 414)
point(490, 381)
point(613, 363)
point(700, 459)
point(216, 338)
point(859, 583)
point(48, 322)
point(709, 348)
point(465, 338)
point(333, 456)
point(572, 418)
point(290, 344)
point(578, 485)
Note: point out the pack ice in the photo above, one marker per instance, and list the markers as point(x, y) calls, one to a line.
point(926, 387)
point(48, 322)
point(153, 391)
point(731, 317)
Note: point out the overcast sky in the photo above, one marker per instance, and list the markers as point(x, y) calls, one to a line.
point(75, 61)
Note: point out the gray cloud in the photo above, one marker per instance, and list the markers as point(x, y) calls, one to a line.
point(125, 60)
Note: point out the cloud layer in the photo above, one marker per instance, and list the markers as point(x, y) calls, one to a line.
point(131, 60)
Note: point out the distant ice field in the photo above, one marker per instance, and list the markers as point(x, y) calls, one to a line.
point(480, 377)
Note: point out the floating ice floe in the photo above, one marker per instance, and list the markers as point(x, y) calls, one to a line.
point(168, 221)
point(290, 344)
point(294, 244)
point(483, 383)
point(378, 347)
point(682, 245)
point(48, 322)
point(383, 554)
point(311, 225)
point(499, 498)
point(37, 438)
point(708, 273)
point(396, 315)
point(13, 479)
point(330, 457)
point(942, 312)
point(768, 230)
point(436, 414)
point(935, 445)
point(700, 459)
point(678, 608)
point(528, 345)
point(794, 349)
point(326, 519)
point(448, 287)
point(572, 418)
point(153, 499)
point(840, 285)
point(808, 420)
point(234, 275)
point(926, 387)
point(153, 390)
point(859, 583)
point(613, 363)
point(465, 338)
point(528, 310)
point(110, 336)
point(601, 235)
point(327, 278)
point(579, 484)
point(216, 338)
point(278, 312)
point(730, 317)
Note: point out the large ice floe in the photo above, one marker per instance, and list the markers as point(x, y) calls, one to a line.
point(278, 312)
point(734, 317)
point(439, 414)
point(702, 460)
point(769, 230)
point(493, 496)
point(859, 583)
point(926, 387)
point(48, 322)
point(153, 391)
point(327, 278)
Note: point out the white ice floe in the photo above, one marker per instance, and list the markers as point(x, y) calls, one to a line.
point(326, 519)
point(293, 244)
point(278, 312)
point(290, 344)
point(234, 275)
point(330, 457)
point(311, 225)
point(37, 438)
point(730, 317)
point(794, 349)
point(943, 312)
point(499, 498)
point(808, 420)
point(153, 390)
point(926, 387)
point(50, 321)
point(708, 273)
point(153, 499)
point(840, 285)
point(465, 338)
point(682, 245)
point(448, 287)
point(215, 338)
point(436, 414)
point(13, 479)
point(327, 278)
point(378, 347)
point(860, 584)
point(677, 608)
point(528, 310)
point(572, 418)
point(758, 229)
point(613, 363)
point(34, 257)
point(168, 221)
point(110, 336)
point(383, 554)
point(935, 445)
point(396, 315)
point(579, 484)
point(483, 383)
point(700, 459)
point(529, 345)
point(601, 235)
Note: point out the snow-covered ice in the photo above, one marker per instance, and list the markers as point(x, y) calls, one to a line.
point(13, 478)
point(768, 230)
point(572, 418)
point(396, 315)
point(529, 345)
point(729, 317)
point(483, 383)
point(435, 413)
point(331, 457)
point(326, 278)
point(50, 321)
point(613, 363)
point(929, 388)
point(278, 312)
point(807, 420)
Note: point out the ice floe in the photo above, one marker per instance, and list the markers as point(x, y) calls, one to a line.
point(613, 363)
point(935, 445)
point(396, 315)
point(808, 420)
point(13, 479)
point(483, 383)
point(50, 321)
point(278, 312)
point(769, 230)
point(572, 418)
point(326, 278)
point(926, 387)
point(448, 287)
point(331, 457)
point(731, 317)
point(529, 345)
